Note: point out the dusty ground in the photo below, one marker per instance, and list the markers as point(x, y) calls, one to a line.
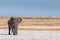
point(32, 34)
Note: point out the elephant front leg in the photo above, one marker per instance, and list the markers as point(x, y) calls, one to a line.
point(9, 31)
point(15, 30)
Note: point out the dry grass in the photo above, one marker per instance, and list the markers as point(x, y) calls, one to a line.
point(33, 21)
point(40, 29)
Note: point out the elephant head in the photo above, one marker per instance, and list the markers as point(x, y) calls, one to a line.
point(17, 20)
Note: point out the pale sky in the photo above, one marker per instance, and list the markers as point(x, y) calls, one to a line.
point(29, 7)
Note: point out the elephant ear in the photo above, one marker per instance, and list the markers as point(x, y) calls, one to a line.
point(20, 19)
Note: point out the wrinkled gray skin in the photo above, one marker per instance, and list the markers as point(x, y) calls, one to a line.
point(13, 25)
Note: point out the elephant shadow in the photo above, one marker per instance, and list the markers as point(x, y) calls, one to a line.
point(3, 34)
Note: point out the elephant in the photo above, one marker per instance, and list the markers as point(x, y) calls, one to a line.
point(13, 24)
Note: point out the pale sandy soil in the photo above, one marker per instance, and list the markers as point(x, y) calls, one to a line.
point(30, 35)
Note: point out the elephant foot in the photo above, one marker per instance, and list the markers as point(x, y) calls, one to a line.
point(15, 33)
point(9, 34)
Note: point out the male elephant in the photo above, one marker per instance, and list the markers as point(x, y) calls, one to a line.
point(13, 24)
